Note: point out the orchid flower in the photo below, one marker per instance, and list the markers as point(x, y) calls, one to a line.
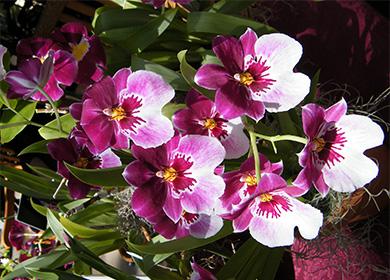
point(69, 151)
point(86, 50)
point(256, 75)
point(271, 213)
point(333, 157)
point(199, 273)
point(175, 177)
point(127, 106)
point(201, 117)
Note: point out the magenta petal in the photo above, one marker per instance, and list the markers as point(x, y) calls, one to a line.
point(312, 117)
point(336, 111)
point(248, 40)
point(146, 204)
point(255, 110)
point(206, 226)
point(77, 189)
point(75, 110)
point(241, 223)
point(155, 157)
point(229, 51)
point(121, 141)
point(166, 227)
point(193, 96)
point(321, 186)
point(231, 100)
point(270, 182)
point(62, 150)
point(100, 131)
point(199, 273)
point(109, 159)
point(19, 84)
point(211, 76)
point(52, 88)
point(75, 31)
point(103, 93)
point(137, 173)
point(172, 207)
point(65, 67)
point(120, 79)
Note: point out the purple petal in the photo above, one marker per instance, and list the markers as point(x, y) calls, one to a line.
point(34, 47)
point(75, 110)
point(231, 100)
point(193, 96)
point(248, 40)
point(77, 189)
point(236, 143)
point(312, 117)
point(103, 93)
point(52, 89)
point(172, 207)
point(137, 173)
point(120, 79)
point(62, 150)
point(270, 182)
point(229, 51)
point(109, 159)
point(206, 226)
point(336, 111)
point(211, 76)
point(155, 157)
point(120, 141)
point(152, 88)
point(99, 130)
point(146, 204)
point(74, 31)
point(199, 273)
point(287, 92)
point(65, 67)
point(166, 227)
point(19, 84)
point(280, 51)
point(241, 223)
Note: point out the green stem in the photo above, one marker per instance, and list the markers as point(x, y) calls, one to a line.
point(277, 138)
point(51, 102)
point(255, 152)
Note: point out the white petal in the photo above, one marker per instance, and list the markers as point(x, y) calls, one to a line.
point(236, 143)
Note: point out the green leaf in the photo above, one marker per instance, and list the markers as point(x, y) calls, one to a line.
point(231, 6)
point(45, 172)
point(170, 109)
point(106, 177)
point(178, 245)
point(39, 147)
point(149, 32)
point(50, 130)
point(57, 228)
point(170, 76)
point(25, 109)
point(189, 72)
point(42, 275)
point(85, 255)
point(30, 185)
point(221, 24)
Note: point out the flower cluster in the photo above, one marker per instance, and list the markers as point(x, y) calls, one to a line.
point(177, 171)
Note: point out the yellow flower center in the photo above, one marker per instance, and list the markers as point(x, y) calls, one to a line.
point(79, 50)
point(245, 78)
point(209, 124)
point(81, 162)
point(170, 4)
point(319, 144)
point(251, 181)
point(116, 114)
point(265, 197)
point(168, 174)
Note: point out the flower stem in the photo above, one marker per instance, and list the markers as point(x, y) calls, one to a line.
point(51, 102)
point(255, 153)
point(277, 138)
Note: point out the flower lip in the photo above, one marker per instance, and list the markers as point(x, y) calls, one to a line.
point(189, 218)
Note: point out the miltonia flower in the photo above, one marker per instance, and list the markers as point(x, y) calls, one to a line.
point(333, 157)
point(69, 151)
point(127, 106)
point(271, 214)
point(87, 51)
point(176, 176)
point(196, 225)
point(242, 183)
point(257, 74)
point(49, 72)
point(199, 273)
point(201, 117)
point(21, 236)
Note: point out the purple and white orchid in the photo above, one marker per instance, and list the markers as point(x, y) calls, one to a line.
point(271, 214)
point(177, 176)
point(48, 73)
point(257, 75)
point(166, 3)
point(196, 225)
point(127, 106)
point(201, 117)
point(333, 157)
point(242, 183)
point(69, 151)
point(86, 50)
point(200, 273)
